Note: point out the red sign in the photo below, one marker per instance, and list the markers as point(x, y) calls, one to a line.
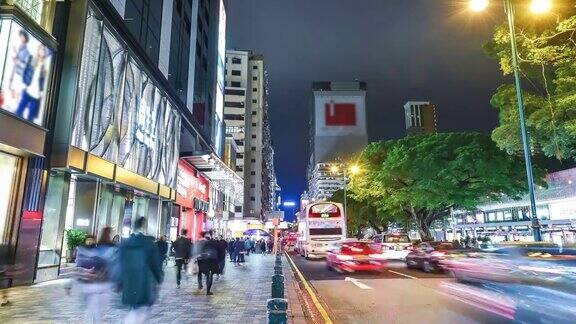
point(340, 114)
point(191, 185)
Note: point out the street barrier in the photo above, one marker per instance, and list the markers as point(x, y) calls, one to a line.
point(277, 286)
point(277, 311)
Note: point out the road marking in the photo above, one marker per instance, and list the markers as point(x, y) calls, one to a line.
point(402, 274)
point(357, 283)
point(315, 300)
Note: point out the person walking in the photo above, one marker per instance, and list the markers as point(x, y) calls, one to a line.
point(163, 249)
point(231, 250)
point(141, 273)
point(222, 247)
point(240, 248)
point(182, 253)
point(208, 257)
point(263, 246)
point(96, 269)
point(247, 246)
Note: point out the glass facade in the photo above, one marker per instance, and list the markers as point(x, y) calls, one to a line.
point(121, 115)
point(9, 166)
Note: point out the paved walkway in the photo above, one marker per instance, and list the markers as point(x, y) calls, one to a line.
point(239, 297)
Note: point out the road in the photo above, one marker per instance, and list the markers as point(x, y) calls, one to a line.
point(398, 295)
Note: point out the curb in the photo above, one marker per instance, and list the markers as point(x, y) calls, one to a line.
point(295, 272)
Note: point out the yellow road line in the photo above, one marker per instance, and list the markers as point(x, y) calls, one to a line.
point(402, 274)
point(315, 300)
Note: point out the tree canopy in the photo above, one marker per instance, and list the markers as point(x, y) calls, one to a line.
point(547, 57)
point(418, 179)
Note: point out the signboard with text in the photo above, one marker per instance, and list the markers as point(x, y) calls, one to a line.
point(191, 185)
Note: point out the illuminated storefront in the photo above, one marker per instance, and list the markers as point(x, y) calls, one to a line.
point(116, 141)
point(27, 56)
point(193, 198)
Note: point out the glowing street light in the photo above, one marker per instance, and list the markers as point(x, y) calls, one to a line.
point(334, 169)
point(355, 169)
point(538, 7)
point(479, 5)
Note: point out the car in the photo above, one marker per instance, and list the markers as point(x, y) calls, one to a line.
point(353, 257)
point(427, 256)
point(394, 246)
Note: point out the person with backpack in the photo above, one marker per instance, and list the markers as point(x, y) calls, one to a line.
point(182, 252)
point(207, 259)
point(141, 273)
point(96, 270)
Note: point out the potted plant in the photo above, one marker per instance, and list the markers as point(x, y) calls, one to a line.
point(74, 239)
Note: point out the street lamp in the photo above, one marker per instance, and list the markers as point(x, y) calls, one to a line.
point(537, 6)
point(354, 170)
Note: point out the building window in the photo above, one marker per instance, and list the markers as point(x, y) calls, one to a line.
point(234, 104)
point(255, 67)
point(252, 198)
point(254, 101)
point(253, 160)
point(253, 173)
point(239, 155)
point(255, 89)
point(253, 124)
point(235, 92)
point(144, 18)
point(239, 169)
point(233, 117)
point(253, 135)
point(253, 185)
point(236, 60)
point(254, 78)
point(236, 72)
point(253, 148)
point(238, 209)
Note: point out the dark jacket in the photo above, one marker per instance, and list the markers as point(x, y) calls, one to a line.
point(162, 248)
point(141, 270)
point(222, 247)
point(182, 248)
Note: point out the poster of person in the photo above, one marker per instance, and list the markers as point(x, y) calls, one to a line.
point(25, 72)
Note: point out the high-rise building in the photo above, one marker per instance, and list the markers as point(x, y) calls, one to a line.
point(420, 117)
point(337, 132)
point(246, 117)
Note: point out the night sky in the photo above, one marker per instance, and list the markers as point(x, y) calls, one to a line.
point(404, 49)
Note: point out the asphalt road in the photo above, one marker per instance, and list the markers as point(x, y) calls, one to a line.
point(398, 295)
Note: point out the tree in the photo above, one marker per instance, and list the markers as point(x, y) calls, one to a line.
point(547, 57)
point(422, 177)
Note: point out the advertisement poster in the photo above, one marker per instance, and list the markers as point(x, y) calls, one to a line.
point(25, 69)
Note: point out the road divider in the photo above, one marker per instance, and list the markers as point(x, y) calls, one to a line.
point(357, 283)
point(321, 310)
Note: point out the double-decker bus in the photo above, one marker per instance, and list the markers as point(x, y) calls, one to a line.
point(320, 225)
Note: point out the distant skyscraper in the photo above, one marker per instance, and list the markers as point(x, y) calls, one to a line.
point(420, 117)
point(338, 130)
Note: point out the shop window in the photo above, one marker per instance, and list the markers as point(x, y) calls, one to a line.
point(41, 11)
point(9, 165)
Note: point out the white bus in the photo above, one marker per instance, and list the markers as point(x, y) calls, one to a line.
point(320, 225)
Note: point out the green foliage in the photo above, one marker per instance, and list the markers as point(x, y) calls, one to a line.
point(547, 57)
point(418, 179)
point(75, 238)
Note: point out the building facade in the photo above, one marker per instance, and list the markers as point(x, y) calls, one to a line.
point(121, 102)
point(510, 220)
point(420, 117)
point(246, 117)
point(337, 132)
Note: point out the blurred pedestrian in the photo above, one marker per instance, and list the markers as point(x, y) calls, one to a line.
point(270, 245)
point(141, 273)
point(222, 247)
point(163, 249)
point(96, 270)
point(5, 257)
point(247, 246)
point(231, 250)
point(208, 257)
point(182, 253)
point(263, 246)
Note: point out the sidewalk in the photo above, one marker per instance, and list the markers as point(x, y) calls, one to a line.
point(239, 297)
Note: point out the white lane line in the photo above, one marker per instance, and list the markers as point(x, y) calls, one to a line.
point(402, 274)
point(357, 283)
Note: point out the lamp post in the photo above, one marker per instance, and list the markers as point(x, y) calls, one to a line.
point(354, 169)
point(538, 6)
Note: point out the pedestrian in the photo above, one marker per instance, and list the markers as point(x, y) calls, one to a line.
point(241, 251)
point(182, 252)
point(5, 257)
point(270, 246)
point(247, 246)
point(141, 273)
point(163, 249)
point(222, 247)
point(231, 250)
point(96, 271)
point(207, 259)
point(263, 246)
